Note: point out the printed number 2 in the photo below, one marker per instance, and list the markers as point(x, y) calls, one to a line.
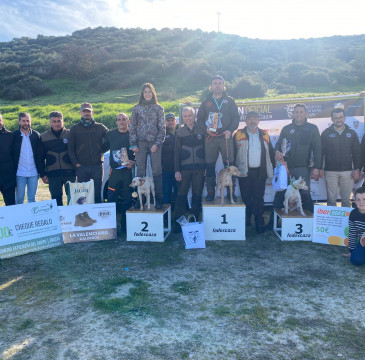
point(300, 228)
point(145, 226)
point(224, 219)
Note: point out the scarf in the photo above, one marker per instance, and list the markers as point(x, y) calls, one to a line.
point(87, 124)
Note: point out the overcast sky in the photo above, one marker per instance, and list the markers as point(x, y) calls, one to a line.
point(264, 19)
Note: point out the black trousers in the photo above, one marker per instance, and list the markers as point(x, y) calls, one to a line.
point(8, 195)
point(85, 173)
point(55, 185)
point(252, 192)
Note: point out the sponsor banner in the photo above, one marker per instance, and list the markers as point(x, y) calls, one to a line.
point(275, 114)
point(88, 222)
point(29, 227)
point(331, 225)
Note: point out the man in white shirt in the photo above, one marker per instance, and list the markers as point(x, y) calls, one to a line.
point(26, 148)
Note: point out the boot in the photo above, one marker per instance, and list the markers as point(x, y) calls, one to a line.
point(123, 223)
point(210, 196)
point(260, 224)
point(87, 217)
point(81, 220)
point(177, 228)
point(158, 202)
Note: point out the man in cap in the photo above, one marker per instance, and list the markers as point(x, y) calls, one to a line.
point(7, 167)
point(85, 148)
point(255, 159)
point(167, 160)
point(218, 118)
point(342, 158)
point(56, 166)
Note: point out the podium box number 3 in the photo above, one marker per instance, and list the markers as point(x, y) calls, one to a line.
point(148, 225)
point(227, 222)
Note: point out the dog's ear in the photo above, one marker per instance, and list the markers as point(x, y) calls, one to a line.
point(141, 182)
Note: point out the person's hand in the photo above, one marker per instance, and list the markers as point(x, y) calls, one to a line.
point(130, 164)
point(212, 133)
point(321, 173)
point(315, 174)
point(355, 175)
point(227, 134)
point(45, 179)
point(362, 241)
point(279, 156)
point(153, 148)
point(178, 176)
point(346, 255)
point(78, 165)
point(135, 149)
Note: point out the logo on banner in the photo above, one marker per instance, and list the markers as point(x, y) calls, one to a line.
point(44, 209)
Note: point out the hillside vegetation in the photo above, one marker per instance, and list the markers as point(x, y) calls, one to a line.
point(110, 64)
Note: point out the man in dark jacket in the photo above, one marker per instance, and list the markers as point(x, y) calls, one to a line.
point(117, 141)
point(7, 168)
point(167, 160)
point(26, 158)
point(85, 149)
point(342, 158)
point(56, 166)
point(218, 118)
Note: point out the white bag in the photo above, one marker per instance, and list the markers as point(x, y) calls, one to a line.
point(194, 235)
point(280, 179)
point(80, 193)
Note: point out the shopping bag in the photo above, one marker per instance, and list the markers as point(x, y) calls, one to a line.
point(280, 179)
point(80, 193)
point(193, 233)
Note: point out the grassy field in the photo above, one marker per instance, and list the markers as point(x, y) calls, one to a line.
point(254, 299)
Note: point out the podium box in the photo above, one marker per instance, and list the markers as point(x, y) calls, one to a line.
point(148, 225)
point(227, 222)
point(293, 227)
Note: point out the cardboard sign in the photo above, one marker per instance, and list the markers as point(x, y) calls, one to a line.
point(331, 225)
point(29, 227)
point(89, 222)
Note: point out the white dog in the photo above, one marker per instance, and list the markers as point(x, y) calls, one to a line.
point(225, 179)
point(293, 200)
point(145, 186)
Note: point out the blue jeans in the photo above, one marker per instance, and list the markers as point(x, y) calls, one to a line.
point(31, 182)
point(169, 183)
point(358, 255)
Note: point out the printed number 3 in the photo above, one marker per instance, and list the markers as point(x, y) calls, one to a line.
point(300, 228)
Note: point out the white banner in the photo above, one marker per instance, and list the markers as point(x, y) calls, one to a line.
point(88, 222)
point(29, 227)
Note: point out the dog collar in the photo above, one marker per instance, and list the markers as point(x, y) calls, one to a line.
point(292, 184)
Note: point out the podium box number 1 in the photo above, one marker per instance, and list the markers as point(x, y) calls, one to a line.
point(227, 222)
point(148, 225)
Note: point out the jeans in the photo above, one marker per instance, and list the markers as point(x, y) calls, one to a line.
point(31, 182)
point(169, 185)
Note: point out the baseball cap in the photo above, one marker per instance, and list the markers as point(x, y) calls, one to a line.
point(86, 106)
point(170, 115)
point(252, 113)
point(217, 77)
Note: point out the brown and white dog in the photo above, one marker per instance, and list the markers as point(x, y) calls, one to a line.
point(225, 179)
point(293, 200)
point(145, 186)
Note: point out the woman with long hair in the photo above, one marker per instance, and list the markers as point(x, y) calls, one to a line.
point(146, 135)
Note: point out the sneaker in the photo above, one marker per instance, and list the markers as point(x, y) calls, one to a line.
point(210, 197)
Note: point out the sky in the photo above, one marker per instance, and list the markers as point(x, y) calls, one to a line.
point(263, 19)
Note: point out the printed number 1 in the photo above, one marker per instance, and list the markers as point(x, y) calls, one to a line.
point(224, 219)
point(300, 228)
point(145, 226)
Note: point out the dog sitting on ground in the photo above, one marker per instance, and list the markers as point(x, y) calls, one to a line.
point(145, 186)
point(225, 179)
point(293, 200)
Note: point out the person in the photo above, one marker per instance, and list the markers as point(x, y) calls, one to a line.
point(7, 167)
point(342, 159)
point(356, 243)
point(189, 165)
point(146, 135)
point(26, 159)
point(218, 118)
point(117, 141)
point(169, 183)
point(255, 159)
point(85, 148)
point(302, 145)
point(56, 166)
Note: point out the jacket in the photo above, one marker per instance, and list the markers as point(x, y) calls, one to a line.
point(304, 139)
point(7, 165)
point(167, 152)
point(147, 123)
point(230, 117)
point(267, 153)
point(35, 142)
point(189, 149)
point(53, 154)
point(85, 144)
point(340, 152)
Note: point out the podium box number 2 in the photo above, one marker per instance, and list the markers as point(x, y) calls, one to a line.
point(293, 227)
point(227, 222)
point(148, 225)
